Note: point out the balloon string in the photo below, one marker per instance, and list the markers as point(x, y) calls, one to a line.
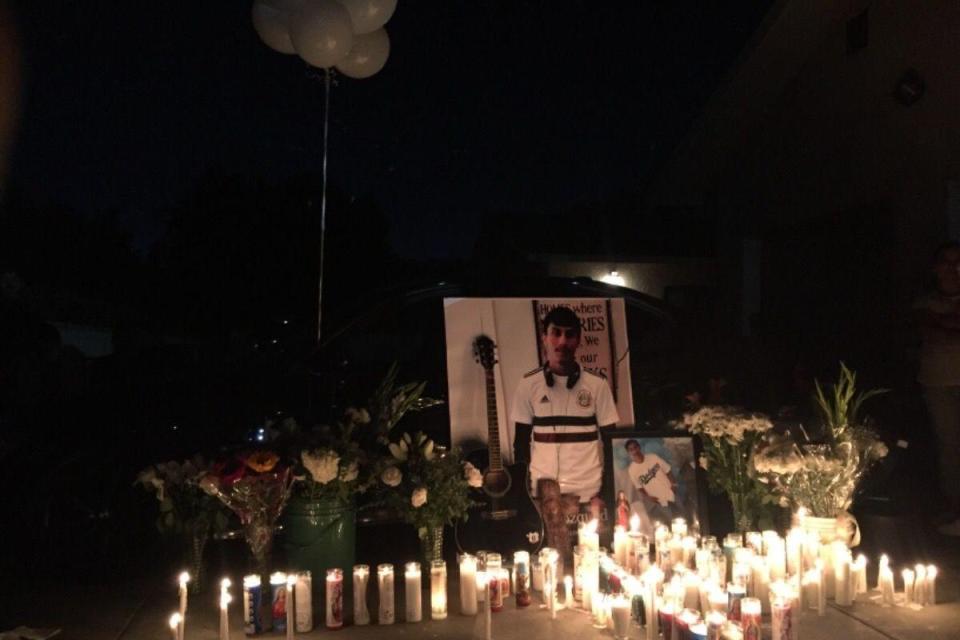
point(323, 198)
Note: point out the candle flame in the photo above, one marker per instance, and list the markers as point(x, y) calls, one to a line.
point(225, 583)
point(184, 578)
point(884, 560)
point(591, 527)
point(291, 580)
point(931, 571)
point(175, 620)
point(225, 599)
point(635, 522)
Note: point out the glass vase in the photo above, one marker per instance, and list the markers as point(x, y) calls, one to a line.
point(431, 543)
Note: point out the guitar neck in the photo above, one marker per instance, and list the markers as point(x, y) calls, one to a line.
point(493, 429)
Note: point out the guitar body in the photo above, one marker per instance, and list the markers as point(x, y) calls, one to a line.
point(507, 523)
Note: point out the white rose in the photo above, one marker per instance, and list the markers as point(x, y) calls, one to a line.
point(418, 498)
point(427, 450)
point(391, 476)
point(350, 473)
point(399, 450)
point(473, 475)
point(323, 466)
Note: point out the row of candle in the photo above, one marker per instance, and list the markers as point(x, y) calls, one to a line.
point(919, 585)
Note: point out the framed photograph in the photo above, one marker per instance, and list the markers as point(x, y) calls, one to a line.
point(653, 475)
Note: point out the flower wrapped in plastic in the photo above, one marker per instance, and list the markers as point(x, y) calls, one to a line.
point(185, 509)
point(256, 487)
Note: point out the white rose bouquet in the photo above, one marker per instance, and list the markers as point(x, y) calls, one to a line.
point(427, 485)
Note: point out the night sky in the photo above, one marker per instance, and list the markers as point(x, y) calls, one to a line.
point(519, 106)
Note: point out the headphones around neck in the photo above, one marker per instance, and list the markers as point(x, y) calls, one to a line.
point(571, 379)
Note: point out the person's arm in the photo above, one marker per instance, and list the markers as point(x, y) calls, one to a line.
point(522, 416)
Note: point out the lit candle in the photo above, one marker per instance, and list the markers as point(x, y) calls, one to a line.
point(620, 545)
point(468, 585)
point(175, 626)
point(278, 601)
point(650, 582)
point(224, 604)
point(252, 601)
point(908, 576)
point(716, 621)
point(334, 598)
point(587, 535)
point(782, 624)
point(750, 612)
point(813, 590)
point(829, 576)
point(667, 614)
point(920, 585)
point(620, 613)
point(411, 575)
point(689, 552)
point(361, 577)
point(761, 582)
point(884, 563)
point(678, 527)
point(635, 523)
point(842, 574)
point(291, 623)
point(438, 590)
point(719, 601)
point(550, 581)
point(691, 590)
point(886, 585)
point(931, 584)
point(735, 594)
point(859, 575)
point(521, 577)
point(385, 585)
point(303, 601)
point(776, 556)
point(795, 551)
point(483, 584)
point(183, 579)
point(568, 592)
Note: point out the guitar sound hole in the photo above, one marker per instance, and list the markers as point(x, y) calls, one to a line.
point(497, 483)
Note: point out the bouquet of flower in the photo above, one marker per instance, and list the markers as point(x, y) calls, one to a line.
point(728, 435)
point(822, 474)
point(255, 486)
point(428, 486)
point(185, 509)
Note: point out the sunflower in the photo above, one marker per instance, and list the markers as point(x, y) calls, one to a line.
point(262, 461)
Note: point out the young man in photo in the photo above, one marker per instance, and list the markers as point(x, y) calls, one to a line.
point(558, 410)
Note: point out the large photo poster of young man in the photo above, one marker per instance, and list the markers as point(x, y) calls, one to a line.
point(561, 375)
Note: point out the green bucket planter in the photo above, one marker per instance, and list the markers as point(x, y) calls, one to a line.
point(320, 535)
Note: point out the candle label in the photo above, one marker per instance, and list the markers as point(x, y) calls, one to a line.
point(303, 598)
point(733, 605)
point(252, 614)
point(496, 594)
point(335, 603)
point(781, 619)
point(278, 608)
point(522, 573)
point(751, 628)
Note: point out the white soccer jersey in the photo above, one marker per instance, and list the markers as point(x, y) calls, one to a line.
point(554, 409)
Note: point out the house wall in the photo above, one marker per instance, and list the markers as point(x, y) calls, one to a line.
point(837, 140)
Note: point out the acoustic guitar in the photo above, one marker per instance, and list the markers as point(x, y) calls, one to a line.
point(507, 519)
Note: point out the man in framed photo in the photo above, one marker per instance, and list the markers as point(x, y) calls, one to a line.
point(559, 409)
point(652, 477)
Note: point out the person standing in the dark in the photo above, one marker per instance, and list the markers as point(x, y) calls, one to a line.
point(938, 317)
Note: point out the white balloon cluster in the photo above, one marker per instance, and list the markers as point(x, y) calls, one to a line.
point(346, 34)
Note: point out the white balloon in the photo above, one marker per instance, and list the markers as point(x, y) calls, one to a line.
point(368, 55)
point(369, 15)
point(270, 23)
point(321, 32)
